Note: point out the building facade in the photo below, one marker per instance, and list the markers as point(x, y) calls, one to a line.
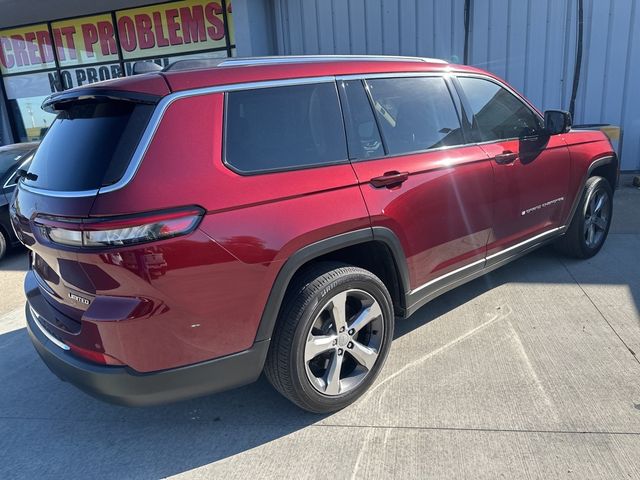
point(55, 54)
point(579, 55)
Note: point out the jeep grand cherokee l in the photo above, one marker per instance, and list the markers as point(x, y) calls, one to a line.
point(192, 228)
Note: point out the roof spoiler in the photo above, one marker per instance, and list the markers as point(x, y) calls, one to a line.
point(57, 101)
point(145, 66)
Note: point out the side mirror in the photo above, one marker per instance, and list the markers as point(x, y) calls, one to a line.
point(145, 67)
point(557, 121)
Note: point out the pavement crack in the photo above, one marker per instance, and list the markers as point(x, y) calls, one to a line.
point(505, 311)
point(532, 371)
point(480, 429)
point(371, 428)
point(386, 382)
point(633, 354)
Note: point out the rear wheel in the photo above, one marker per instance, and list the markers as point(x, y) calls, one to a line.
point(332, 337)
point(590, 224)
point(4, 242)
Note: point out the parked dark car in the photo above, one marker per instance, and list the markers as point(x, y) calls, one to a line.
point(190, 229)
point(12, 158)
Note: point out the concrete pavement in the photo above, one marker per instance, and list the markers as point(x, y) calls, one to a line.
point(530, 372)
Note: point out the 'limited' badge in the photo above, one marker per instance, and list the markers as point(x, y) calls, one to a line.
point(78, 298)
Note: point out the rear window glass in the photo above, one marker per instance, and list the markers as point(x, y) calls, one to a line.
point(89, 145)
point(284, 128)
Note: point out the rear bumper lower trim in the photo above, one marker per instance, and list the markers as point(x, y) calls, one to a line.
point(50, 337)
point(124, 386)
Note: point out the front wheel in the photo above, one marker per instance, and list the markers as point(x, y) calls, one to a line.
point(332, 337)
point(590, 224)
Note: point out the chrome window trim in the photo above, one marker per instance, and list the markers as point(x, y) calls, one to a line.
point(166, 101)
point(375, 76)
point(417, 152)
point(154, 122)
point(57, 193)
point(13, 175)
point(443, 74)
point(162, 106)
point(519, 97)
point(251, 173)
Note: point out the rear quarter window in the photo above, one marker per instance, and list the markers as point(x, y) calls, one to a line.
point(89, 145)
point(280, 128)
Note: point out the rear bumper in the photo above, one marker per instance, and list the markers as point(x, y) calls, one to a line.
point(123, 386)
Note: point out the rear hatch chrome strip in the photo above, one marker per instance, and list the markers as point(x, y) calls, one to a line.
point(54, 340)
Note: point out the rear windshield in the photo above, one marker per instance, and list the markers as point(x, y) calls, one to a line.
point(89, 145)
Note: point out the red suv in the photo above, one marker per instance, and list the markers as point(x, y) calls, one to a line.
point(191, 228)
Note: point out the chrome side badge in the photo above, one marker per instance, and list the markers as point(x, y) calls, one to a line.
point(542, 205)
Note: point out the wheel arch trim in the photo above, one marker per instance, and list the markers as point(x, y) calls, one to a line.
point(322, 247)
point(595, 163)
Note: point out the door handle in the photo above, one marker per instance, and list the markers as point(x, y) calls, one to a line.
point(505, 157)
point(389, 179)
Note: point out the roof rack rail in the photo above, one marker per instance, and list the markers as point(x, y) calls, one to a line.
point(241, 61)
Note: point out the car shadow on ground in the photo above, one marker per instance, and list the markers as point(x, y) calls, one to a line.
point(126, 442)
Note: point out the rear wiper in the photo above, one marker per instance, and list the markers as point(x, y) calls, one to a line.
point(21, 172)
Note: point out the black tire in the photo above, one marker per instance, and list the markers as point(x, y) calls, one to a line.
point(574, 243)
point(305, 302)
point(4, 242)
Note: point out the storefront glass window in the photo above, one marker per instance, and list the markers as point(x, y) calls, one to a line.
point(25, 49)
point(25, 94)
point(175, 27)
point(87, 40)
point(77, 77)
point(103, 46)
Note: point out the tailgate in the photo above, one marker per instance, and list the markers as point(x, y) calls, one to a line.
point(91, 144)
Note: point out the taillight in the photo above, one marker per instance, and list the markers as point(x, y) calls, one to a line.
point(118, 231)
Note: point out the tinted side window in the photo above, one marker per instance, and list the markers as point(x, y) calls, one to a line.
point(498, 114)
point(284, 127)
point(415, 114)
point(362, 132)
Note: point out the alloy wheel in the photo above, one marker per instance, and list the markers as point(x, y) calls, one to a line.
point(597, 216)
point(344, 342)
